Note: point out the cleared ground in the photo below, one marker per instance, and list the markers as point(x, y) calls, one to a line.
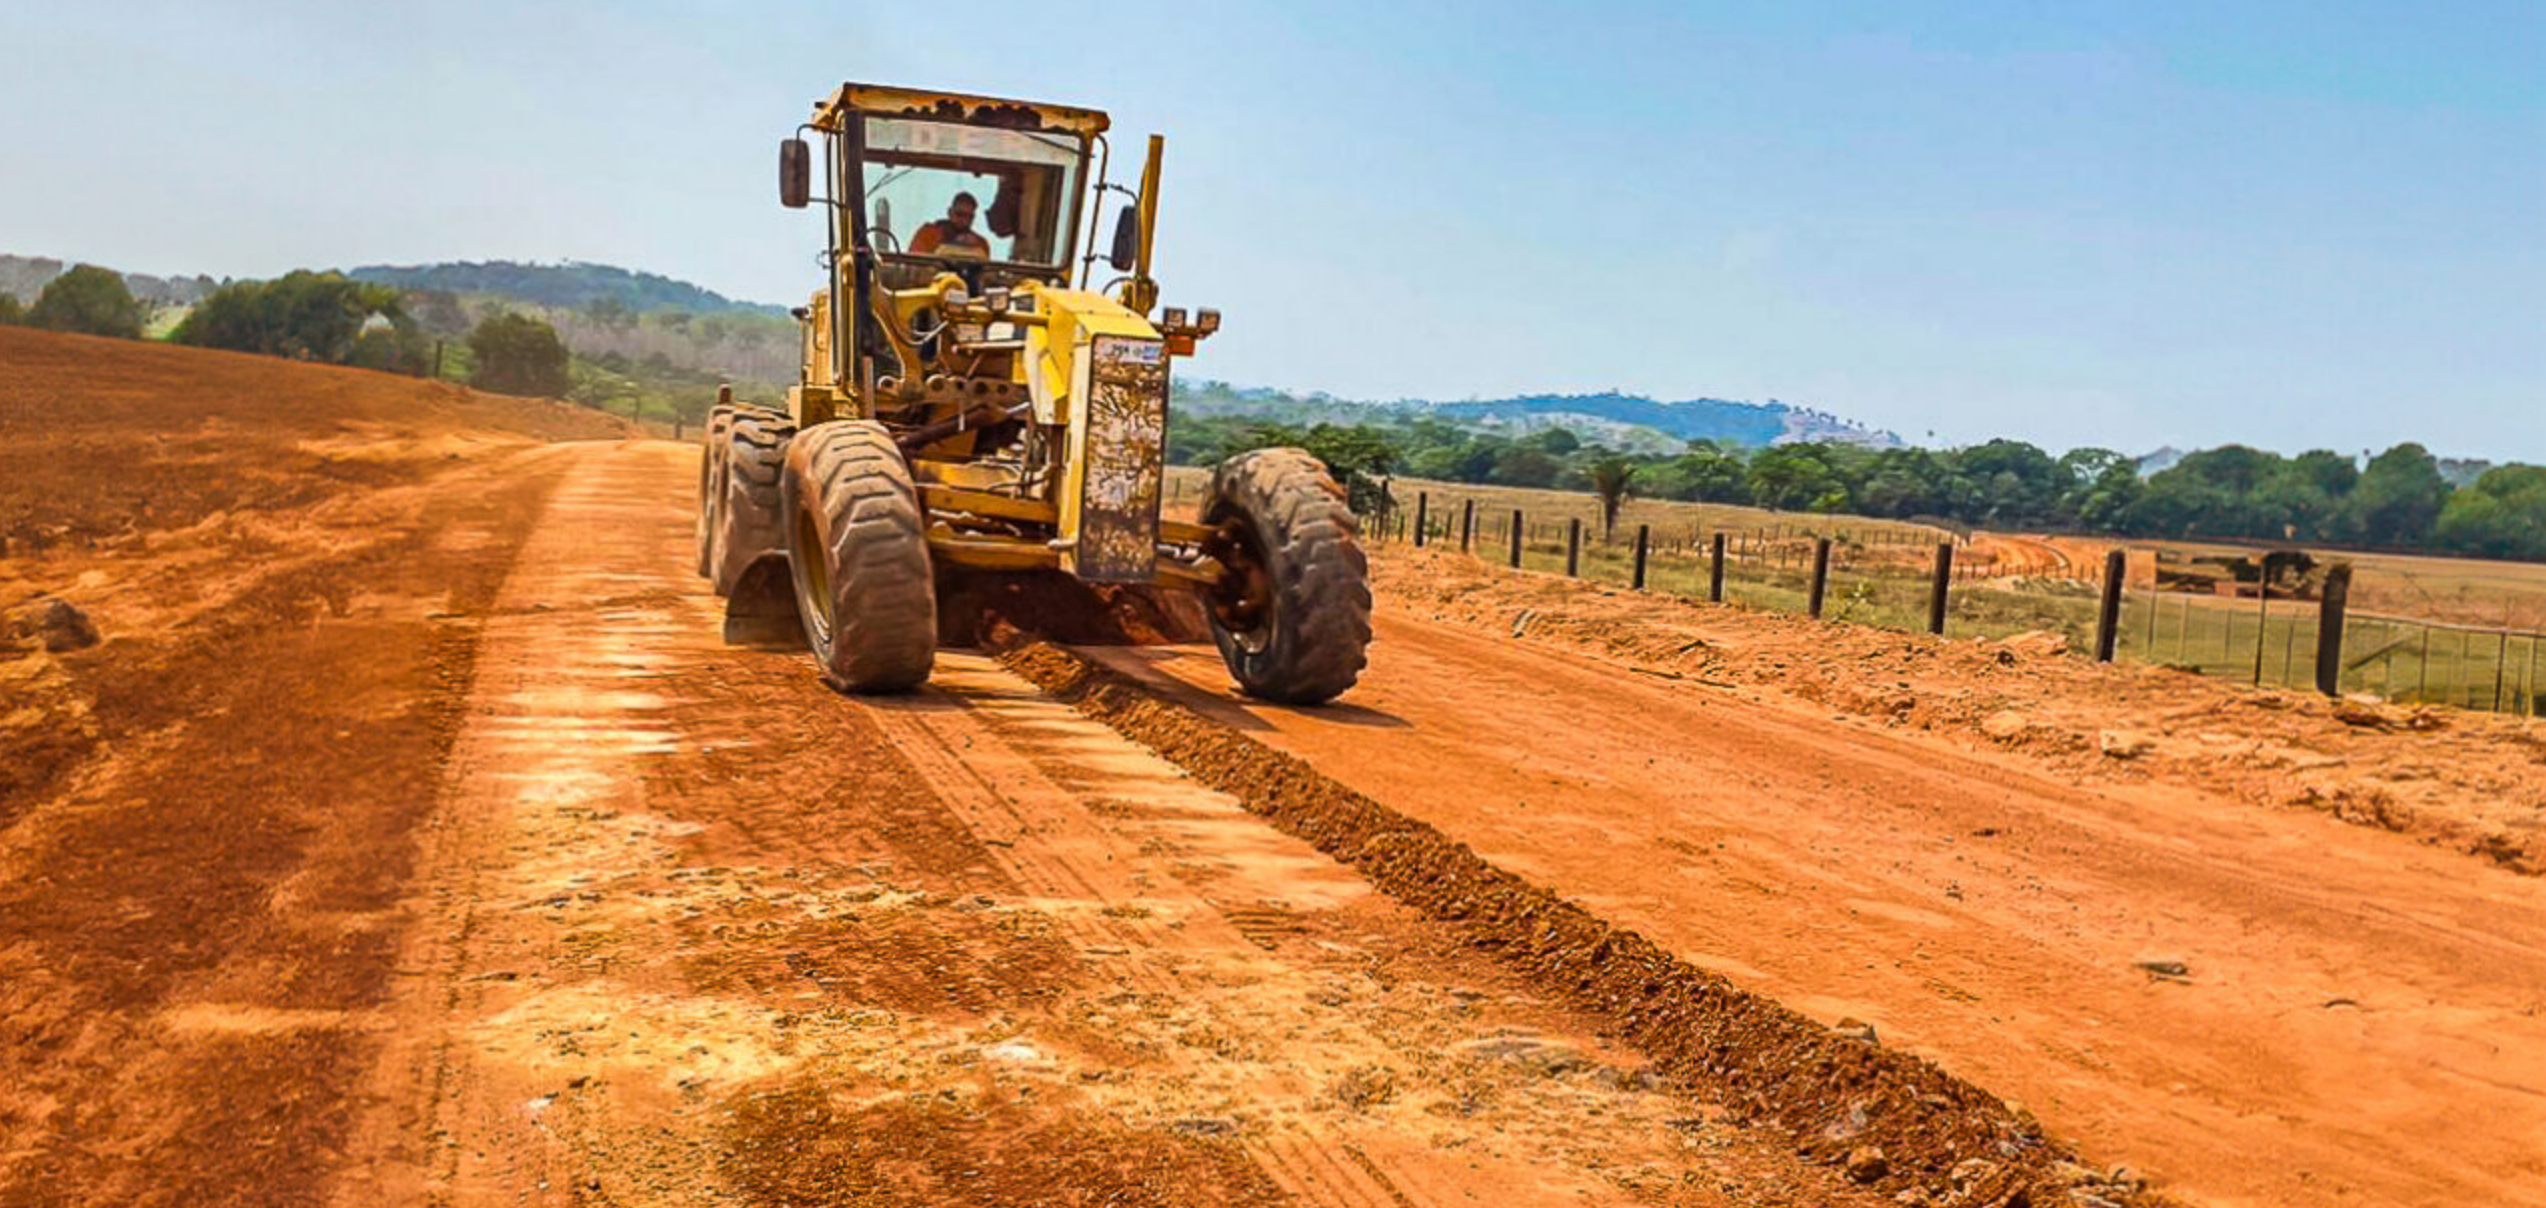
point(500, 880)
point(494, 877)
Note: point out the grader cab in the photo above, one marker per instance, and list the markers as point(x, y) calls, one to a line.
point(969, 408)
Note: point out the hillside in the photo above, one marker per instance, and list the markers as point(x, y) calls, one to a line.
point(571, 285)
point(105, 437)
point(666, 336)
point(1623, 421)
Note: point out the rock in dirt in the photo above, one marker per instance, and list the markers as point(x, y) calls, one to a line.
point(2124, 744)
point(2365, 712)
point(1972, 1170)
point(1542, 1057)
point(2036, 643)
point(2164, 967)
point(2006, 724)
point(54, 624)
point(1866, 1163)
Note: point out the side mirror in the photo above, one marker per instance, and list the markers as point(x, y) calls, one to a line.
point(1126, 251)
point(795, 174)
point(884, 216)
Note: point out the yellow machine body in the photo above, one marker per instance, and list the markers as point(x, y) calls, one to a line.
point(1033, 410)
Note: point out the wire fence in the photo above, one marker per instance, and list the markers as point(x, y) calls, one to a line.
point(1897, 579)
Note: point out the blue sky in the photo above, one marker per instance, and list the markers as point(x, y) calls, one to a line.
point(2119, 224)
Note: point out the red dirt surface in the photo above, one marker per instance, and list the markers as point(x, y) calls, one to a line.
point(424, 845)
point(2259, 1004)
point(413, 839)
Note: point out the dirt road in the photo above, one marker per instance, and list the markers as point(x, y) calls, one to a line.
point(2361, 1020)
point(412, 839)
point(578, 906)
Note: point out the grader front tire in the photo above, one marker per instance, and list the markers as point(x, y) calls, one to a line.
point(858, 548)
point(1293, 617)
point(749, 527)
point(711, 485)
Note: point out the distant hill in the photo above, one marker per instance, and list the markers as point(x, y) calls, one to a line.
point(571, 285)
point(1623, 421)
point(1749, 425)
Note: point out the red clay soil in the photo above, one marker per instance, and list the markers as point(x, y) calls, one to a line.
point(215, 806)
point(2256, 1003)
point(1839, 1095)
point(420, 843)
point(2471, 782)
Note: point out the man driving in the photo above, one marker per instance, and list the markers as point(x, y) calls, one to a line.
point(953, 235)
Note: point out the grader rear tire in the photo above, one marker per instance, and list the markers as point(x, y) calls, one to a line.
point(711, 485)
point(858, 546)
point(748, 525)
point(1292, 619)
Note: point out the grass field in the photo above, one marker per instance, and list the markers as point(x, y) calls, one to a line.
point(2400, 643)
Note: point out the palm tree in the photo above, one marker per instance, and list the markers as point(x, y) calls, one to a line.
point(1611, 475)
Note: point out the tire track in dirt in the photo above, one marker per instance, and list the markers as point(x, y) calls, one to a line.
point(704, 932)
point(196, 932)
point(2352, 997)
point(1835, 1095)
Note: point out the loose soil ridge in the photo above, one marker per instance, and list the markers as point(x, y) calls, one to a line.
point(1835, 1094)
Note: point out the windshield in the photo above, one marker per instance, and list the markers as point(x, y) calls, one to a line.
point(972, 193)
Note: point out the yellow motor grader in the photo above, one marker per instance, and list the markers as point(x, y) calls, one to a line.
point(968, 407)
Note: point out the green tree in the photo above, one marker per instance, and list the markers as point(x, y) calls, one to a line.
point(1612, 477)
point(1526, 466)
point(517, 354)
point(309, 317)
point(2399, 497)
point(1359, 458)
point(1556, 442)
point(2502, 516)
point(89, 300)
point(1790, 477)
point(12, 312)
point(2108, 484)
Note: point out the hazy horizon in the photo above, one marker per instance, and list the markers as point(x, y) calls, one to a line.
point(2293, 227)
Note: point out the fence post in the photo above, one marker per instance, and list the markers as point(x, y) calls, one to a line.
point(1715, 569)
point(1517, 529)
point(2262, 618)
point(2422, 687)
point(1643, 544)
point(1940, 584)
point(2108, 619)
point(2501, 659)
point(1573, 547)
point(1422, 516)
point(1467, 524)
point(2529, 694)
point(1820, 575)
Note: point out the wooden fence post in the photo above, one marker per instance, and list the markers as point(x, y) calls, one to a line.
point(1936, 591)
point(1573, 547)
point(2108, 618)
point(2501, 660)
point(1422, 515)
point(1715, 569)
point(1517, 529)
point(1643, 544)
point(1820, 575)
point(1467, 524)
point(2262, 619)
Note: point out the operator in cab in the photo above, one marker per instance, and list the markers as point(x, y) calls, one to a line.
point(953, 235)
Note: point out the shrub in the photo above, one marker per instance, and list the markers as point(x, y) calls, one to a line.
point(517, 354)
point(89, 300)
